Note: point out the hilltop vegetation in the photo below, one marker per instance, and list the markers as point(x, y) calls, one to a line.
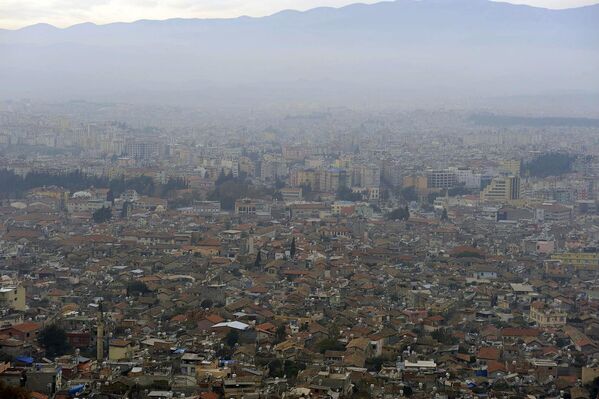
point(550, 164)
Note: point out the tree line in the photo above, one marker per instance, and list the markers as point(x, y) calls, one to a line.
point(228, 189)
point(550, 164)
point(13, 185)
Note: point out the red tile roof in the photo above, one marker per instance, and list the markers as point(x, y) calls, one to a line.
point(27, 327)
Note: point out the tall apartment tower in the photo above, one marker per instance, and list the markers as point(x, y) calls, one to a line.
point(502, 189)
point(511, 166)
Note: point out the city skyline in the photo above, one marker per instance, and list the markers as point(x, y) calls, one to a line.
point(65, 13)
point(390, 199)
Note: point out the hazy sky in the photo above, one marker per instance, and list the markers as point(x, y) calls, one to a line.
point(18, 13)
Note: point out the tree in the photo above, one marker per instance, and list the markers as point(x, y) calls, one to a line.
point(173, 183)
point(444, 337)
point(275, 368)
point(232, 338)
point(431, 197)
point(12, 392)
point(110, 196)
point(409, 194)
point(222, 178)
point(279, 184)
point(13, 185)
point(399, 214)
point(292, 368)
point(258, 259)
point(292, 249)
point(288, 368)
point(229, 190)
point(458, 190)
point(280, 334)
point(594, 388)
point(102, 215)
point(278, 196)
point(551, 164)
point(329, 344)
point(137, 287)
point(375, 363)
point(345, 194)
point(469, 254)
point(444, 215)
point(54, 340)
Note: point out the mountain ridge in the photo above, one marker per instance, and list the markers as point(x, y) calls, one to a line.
point(401, 49)
point(287, 11)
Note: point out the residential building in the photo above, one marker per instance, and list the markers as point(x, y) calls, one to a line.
point(503, 189)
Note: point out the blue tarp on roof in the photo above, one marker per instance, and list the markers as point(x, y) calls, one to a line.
point(76, 389)
point(24, 359)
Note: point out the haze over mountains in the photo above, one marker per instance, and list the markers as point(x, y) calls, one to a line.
point(427, 51)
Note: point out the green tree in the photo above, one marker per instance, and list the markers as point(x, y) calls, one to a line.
point(292, 249)
point(232, 338)
point(286, 368)
point(222, 178)
point(137, 287)
point(431, 197)
point(228, 191)
point(444, 336)
point(399, 214)
point(258, 260)
point(329, 344)
point(275, 368)
point(594, 388)
point(345, 194)
point(375, 363)
point(469, 254)
point(444, 215)
point(54, 340)
point(279, 184)
point(458, 190)
point(280, 334)
point(409, 194)
point(292, 368)
point(102, 215)
point(110, 196)
point(173, 183)
point(550, 164)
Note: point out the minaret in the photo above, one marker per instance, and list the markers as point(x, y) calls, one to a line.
point(251, 245)
point(100, 337)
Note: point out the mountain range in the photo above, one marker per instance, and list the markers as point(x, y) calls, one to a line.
point(400, 51)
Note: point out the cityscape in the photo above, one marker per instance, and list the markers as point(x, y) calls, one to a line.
point(285, 248)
